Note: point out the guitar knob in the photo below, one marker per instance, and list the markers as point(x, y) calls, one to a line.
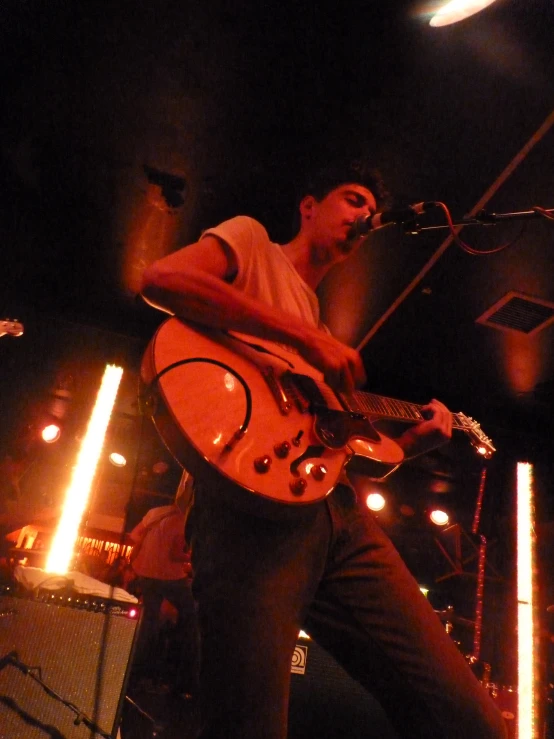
point(298, 485)
point(262, 464)
point(318, 472)
point(282, 450)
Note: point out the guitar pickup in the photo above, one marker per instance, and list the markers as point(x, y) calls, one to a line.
point(293, 383)
point(277, 390)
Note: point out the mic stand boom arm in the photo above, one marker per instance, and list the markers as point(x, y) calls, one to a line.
point(484, 218)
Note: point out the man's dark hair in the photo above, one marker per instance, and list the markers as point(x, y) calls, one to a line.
point(322, 181)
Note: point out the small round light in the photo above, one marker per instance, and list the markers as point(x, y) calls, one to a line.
point(118, 460)
point(375, 502)
point(51, 433)
point(438, 517)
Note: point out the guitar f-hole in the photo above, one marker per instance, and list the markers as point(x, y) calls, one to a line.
point(311, 452)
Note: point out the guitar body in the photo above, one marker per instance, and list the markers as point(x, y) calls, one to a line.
point(224, 406)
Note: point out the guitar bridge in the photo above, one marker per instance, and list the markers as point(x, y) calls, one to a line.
point(277, 390)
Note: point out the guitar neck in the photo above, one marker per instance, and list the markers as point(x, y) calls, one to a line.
point(379, 406)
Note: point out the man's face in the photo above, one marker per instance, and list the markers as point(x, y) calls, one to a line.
point(328, 222)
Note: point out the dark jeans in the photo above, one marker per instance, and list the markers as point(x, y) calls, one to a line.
point(338, 576)
point(148, 650)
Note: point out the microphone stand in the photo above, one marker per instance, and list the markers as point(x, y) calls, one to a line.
point(484, 218)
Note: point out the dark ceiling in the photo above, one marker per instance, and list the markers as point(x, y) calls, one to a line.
point(128, 127)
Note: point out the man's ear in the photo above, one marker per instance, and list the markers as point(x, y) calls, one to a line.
point(306, 206)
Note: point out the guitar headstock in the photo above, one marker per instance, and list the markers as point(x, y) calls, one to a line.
point(12, 328)
point(479, 440)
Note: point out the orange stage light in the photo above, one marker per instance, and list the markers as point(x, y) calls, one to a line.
point(375, 502)
point(78, 492)
point(118, 460)
point(438, 517)
point(527, 651)
point(51, 433)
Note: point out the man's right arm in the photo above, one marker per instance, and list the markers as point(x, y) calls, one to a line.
point(195, 284)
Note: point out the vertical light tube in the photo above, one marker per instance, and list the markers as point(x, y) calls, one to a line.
point(526, 652)
point(78, 492)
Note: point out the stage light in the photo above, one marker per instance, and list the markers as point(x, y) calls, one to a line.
point(118, 460)
point(51, 433)
point(458, 10)
point(527, 657)
point(438, 517)
point(375, 502)
point(76, 498)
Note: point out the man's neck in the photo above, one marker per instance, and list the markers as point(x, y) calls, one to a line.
point(306, 260)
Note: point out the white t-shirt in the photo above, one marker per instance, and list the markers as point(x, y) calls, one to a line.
point(264, 270)
point(266, 273)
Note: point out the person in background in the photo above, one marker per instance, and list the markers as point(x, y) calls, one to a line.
point(162, 564)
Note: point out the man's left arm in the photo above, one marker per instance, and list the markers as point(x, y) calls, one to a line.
point(430, 433)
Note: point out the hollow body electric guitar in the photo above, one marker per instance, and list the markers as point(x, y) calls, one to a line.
point(253, 413)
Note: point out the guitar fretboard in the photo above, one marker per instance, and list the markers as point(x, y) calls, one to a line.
point(383, 407)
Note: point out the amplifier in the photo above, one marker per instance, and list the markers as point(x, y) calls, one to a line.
point(325, 702)
point(80, 648)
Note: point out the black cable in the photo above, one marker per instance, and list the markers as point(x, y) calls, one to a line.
point(470, 249)
point(248, 414)
point(544, 212)
point(35, 673)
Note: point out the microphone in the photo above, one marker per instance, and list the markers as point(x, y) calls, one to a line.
point(365, 224)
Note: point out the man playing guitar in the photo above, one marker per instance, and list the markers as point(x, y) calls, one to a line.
point(329, 568)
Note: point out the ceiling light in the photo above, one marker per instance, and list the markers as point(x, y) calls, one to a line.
point(458, 10)
point(118, 460)
point(438, 517)
point(375, 502)
point(51, 433)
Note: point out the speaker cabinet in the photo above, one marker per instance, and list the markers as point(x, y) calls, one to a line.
point(326, 703)
point(81, 648)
